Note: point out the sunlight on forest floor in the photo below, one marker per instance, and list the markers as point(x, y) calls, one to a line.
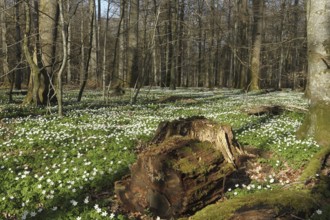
point(64, 168)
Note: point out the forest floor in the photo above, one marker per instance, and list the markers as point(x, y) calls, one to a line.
point(65, 167)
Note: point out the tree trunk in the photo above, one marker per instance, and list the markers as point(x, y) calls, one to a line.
point(69, 72)
point(93, 61)
point(104, 72)
point(41, 88)
point(64, 59)
point(281, 64)
point(186, 167)
point(317, 123)
point(5, 65)
point(258, 6)
point(82, 45)
point(90, 45)
point(133, 39)
point(18, 38)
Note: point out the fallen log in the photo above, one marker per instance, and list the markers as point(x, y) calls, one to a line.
point(185, 167)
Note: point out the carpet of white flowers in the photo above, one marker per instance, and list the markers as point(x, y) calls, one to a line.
point(65, 168)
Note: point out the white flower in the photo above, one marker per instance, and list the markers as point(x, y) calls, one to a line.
point(54, 208)
point(112, 216)
point(319, 212)
point(104, 213)
point(96, 206)
point(86, 201)
point(271, 180)
point(73, 202)
point(33, 214)
point(98, 210)
point(78, 218)
point(229, 189)
point(235, 193)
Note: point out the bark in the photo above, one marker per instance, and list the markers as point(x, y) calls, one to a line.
point(93, 61)
point(5, 65)
point(258, 6)
point(104, 75)
point(86, 66)
point(34, 83)
point(186, 167)
point(133, 39)
point(18, 38)
point(317, 123)
point(82, 49)
point(41, 88)
point(64, 59)
point(69, 72)
point(281, 64)
point(170, 75)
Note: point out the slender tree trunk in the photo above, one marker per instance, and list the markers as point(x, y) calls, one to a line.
point(297, 45)
point(64, 59)
point(104, 72)
point(281, 65)
point(18, 38)
point(172, 45)
point(86, 67)
point(243, 33)
point(258, 6)
point(133, 39)
point(93, 61)
point(317, 123)
point(69, 72)
point(82, 44)
point(98, 42)
point(200, 71)
point(5, 65)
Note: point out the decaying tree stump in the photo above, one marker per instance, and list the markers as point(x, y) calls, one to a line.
point(265, 109)
point(184, 168)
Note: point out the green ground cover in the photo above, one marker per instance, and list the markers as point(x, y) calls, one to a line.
point(65, 168)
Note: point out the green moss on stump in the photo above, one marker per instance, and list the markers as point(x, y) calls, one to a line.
point(296, 202)
point(193, 157)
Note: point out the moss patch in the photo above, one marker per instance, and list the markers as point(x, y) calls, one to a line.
point(300, 203)
point(315, 164)
point(317, 124)
point(193, 158)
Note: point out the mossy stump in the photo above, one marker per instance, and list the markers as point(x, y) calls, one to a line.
point(184, 168)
